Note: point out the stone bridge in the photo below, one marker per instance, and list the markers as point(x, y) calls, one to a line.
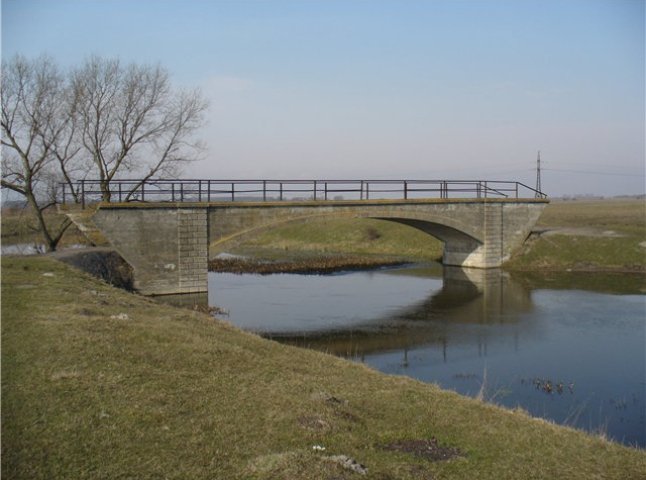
point(167, 243)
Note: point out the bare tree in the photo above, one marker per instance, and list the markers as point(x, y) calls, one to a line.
point(132, 121)
point(102, 120)
point(37, 134)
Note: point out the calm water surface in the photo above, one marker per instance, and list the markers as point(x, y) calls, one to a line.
point(550, 346)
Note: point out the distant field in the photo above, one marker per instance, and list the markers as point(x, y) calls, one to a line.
point(19, 226)
point(587, 235)
point(340, 236)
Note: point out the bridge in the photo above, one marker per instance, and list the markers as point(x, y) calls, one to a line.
point(163, 228)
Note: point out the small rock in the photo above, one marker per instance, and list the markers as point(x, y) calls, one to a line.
point(121, 316)
point(349, 464)
point(48, 274)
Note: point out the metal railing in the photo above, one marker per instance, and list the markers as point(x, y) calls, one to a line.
point(165, 190)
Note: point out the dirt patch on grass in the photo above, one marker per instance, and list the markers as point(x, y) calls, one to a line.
point(313, 423)
point(429, 449)
point(316, 265)
point(578, 232)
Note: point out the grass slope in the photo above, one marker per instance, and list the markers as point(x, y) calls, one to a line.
point(340, 236)
point(588, 235)
point(98, 383)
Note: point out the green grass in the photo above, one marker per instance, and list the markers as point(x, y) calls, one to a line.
point(171, 393)
point(341, 236)
point(597, 235)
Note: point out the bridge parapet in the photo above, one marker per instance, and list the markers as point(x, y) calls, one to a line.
point(192, 191)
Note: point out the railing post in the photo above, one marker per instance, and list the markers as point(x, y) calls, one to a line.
point(405, 190)
point(281, 192)
point(83, 194)
point(326, 190)
point(63, 193)
point(516, 189)
point(181, 191)
point(172, 191)
point(208, 193)
point(361, 194)
point(233, 192)
point(143, 191)
point(264, 190)
point(314, 190)
point(199, 190)
point(367, 190)
point(120, 200)
point(486, 190)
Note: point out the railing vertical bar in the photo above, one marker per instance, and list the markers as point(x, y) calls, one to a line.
point(405, 190)
point(314, 190)
point(199, 190)
point(83, 194)
point(208, 192)
point(172, 191)
point(367, 190)
point(233, 192)
point(143, 190)
point(281, 192)
point(264, 190)
point(361, 194)
point(181, 191)
point(326, 190)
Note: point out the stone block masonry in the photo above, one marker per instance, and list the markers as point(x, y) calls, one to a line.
point(166, 245)
point(192, 250)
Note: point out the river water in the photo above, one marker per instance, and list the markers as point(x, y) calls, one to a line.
point(568, 348)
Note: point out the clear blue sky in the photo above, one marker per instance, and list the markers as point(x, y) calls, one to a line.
point(390, 89)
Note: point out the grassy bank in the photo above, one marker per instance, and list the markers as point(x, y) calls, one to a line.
point(587, 235)
point(338, 236)
point(99, 383)
point(607, 235)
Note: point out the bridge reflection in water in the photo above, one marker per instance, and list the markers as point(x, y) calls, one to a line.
point(468, 300)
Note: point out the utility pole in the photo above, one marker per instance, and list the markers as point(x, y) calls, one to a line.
point(538, 175)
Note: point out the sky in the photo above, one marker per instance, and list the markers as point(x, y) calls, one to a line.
point(435, 89)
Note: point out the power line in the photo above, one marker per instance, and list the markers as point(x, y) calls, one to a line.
point(587, 172)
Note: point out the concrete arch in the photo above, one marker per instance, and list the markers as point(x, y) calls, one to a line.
point(460, 242)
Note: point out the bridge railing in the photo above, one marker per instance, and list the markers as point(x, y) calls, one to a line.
point(190, 190)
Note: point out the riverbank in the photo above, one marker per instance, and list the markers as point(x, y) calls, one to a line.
point(100, 383)
point(317, 265)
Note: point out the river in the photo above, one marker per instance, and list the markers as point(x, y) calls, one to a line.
point(548, 345)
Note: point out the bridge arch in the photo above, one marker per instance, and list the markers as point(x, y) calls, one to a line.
point(457, 238)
